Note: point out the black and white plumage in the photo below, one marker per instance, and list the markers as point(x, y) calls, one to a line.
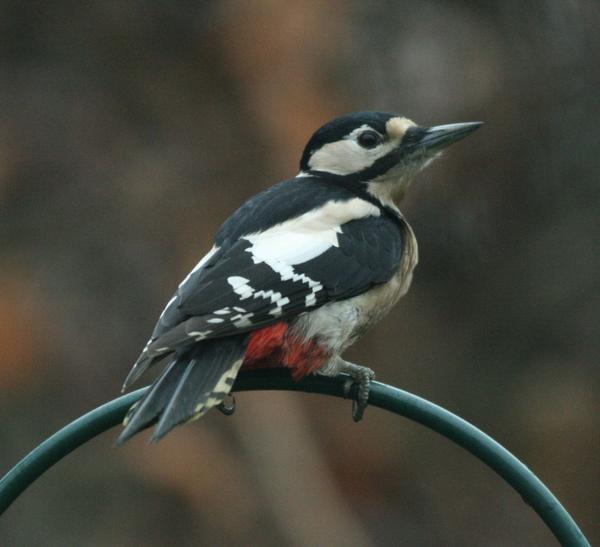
point(297, 273)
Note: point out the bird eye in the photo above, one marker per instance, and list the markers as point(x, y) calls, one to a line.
point(369, 139)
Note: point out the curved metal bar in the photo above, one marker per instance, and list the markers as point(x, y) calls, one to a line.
point(513, 471)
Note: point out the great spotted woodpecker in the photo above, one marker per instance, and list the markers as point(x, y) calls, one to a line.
point(296, 274)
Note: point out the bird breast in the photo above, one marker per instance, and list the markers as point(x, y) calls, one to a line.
point(338, 325)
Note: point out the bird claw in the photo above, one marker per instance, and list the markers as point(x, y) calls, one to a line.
point(227, 409)
point(361, 376)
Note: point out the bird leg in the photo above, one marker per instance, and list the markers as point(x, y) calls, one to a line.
point(227, 408)
point(359, 375)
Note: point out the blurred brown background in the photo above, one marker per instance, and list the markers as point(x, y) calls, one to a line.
point(130, 130)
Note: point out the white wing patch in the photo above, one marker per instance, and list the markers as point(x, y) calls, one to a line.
point(199, 335)
point(310, 300)
point(242, 320)
point(290, 247)
point(242, 287)
point(305, 237)
point(282, 247)
point(297, 241)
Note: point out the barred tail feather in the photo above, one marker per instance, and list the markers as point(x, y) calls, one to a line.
point(208, 380)
point(190, 385)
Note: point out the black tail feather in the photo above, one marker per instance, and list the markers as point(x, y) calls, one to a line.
point(143, 363)
point(145, 412)
point(175, 404)
point(189, 386)
point(215, 362)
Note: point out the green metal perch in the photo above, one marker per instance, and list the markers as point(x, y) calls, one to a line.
point(515, 473)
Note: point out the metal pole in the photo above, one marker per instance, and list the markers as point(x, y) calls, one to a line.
point(483, 447)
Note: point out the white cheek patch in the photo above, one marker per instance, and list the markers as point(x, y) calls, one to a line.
point(346, 156)
point(340, 158)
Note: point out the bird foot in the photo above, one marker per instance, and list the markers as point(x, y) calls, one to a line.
point(361, 376)
point(227, 408)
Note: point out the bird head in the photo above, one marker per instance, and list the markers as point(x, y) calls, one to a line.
point(379, 150)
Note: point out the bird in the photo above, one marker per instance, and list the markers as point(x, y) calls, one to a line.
point(296, 275)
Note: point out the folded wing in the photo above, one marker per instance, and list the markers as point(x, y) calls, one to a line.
point(273, 276)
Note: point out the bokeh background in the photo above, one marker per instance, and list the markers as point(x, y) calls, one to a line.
point(130, 130)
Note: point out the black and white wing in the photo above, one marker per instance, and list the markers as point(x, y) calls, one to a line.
point(331, 253)
point(295, 199)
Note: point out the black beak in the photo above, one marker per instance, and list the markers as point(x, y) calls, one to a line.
point(432, 139)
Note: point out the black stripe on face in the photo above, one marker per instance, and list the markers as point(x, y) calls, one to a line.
point(338, 128)
point(404, 153)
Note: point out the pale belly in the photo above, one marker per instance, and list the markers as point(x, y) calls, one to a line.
point(338, 325)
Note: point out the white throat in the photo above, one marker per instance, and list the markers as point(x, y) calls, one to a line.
point(390, 188)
